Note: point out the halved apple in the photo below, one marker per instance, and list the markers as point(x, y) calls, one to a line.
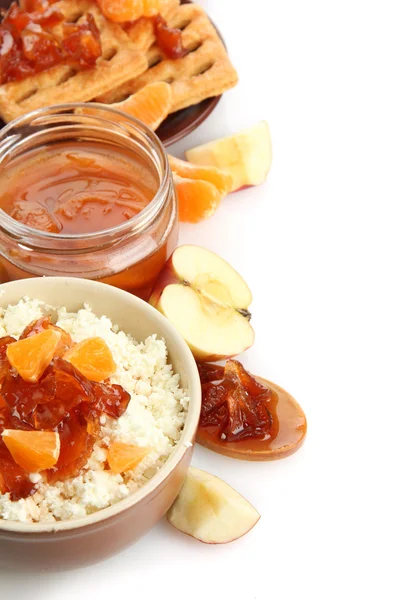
point(207, 301)
point(209, 510)
point(246, 156)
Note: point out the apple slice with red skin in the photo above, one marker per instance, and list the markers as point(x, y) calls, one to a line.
point(290, 435)
point(245, 156)
point(207, 301)
point(210, 510)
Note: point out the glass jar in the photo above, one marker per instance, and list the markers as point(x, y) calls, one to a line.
point(129, 255)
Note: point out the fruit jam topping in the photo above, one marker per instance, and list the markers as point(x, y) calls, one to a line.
point(4, 364)
point(237, 405)
point(29, 43)
point(63, 400)
point(81, 43)
point(169, 40)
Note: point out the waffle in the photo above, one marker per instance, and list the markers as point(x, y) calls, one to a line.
point(120, 61)
point(204, 72)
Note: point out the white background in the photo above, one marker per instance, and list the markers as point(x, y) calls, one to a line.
point(319, 246)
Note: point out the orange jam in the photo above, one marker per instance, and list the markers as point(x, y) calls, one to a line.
point(247, 417)
point(88, 196)
point(76, 189)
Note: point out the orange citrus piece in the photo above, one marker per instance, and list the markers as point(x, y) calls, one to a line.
point(39, 325)
point(123, 457)
point(151, 7)
point(121, 10)
point(31, 356)
point(93, 358)
point(151, 104)
point(33, 450)
point(221, 180)
point(197, 199)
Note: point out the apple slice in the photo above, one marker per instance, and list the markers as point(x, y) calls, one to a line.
point(207, 301)
point(246, 156)
point(209, 510)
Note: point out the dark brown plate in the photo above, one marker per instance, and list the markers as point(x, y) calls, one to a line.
point(179, 124)
point(183, 122)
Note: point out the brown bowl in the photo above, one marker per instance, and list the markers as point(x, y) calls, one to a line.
point(80, 542)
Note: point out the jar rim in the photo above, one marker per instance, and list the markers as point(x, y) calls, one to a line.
point(133, 225)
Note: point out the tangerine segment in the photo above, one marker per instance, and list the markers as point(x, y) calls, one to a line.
point(222, 181)
point(121, 10)
point(13, 479)
point(123, 457)
point(31, 356)
point(44, 323)
point(197, 199)
point(151, 104)
point(33, 450)
point(93, 358)
point(151, 7)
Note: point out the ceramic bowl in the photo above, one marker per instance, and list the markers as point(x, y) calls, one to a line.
point(71, 544)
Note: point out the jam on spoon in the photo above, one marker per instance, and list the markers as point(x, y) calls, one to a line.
point(247, 417)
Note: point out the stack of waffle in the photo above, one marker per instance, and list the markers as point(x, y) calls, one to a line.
point(130, 60)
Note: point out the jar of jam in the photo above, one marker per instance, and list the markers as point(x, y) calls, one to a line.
point(85, 191)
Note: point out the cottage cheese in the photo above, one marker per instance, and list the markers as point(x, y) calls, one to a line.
point(154, 418)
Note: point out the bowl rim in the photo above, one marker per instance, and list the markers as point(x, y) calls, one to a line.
point(188, 433)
